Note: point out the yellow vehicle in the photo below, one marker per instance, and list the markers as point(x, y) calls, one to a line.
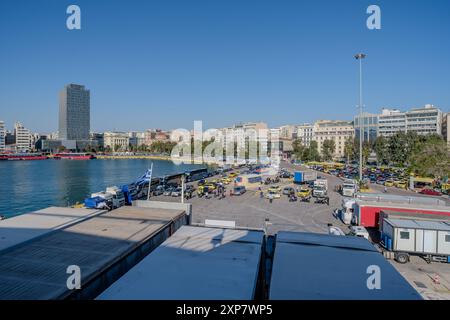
point(226, 180)
point(206, 188)
point(304, 193)
point(275, 189)
point(401, 184)
point(389, 183)
point(233, 175)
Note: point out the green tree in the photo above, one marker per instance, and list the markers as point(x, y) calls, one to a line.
point(298, 149)
point(349, 149)
point(431, 157)
point(311, 153)
point(328, 148)
point(381, 149)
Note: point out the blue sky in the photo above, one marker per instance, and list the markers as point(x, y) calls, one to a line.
point(166, 63)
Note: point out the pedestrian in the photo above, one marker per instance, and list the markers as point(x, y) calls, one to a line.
point(261, 194)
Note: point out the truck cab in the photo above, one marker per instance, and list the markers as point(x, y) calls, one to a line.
point(320, 188)
point(349, 188)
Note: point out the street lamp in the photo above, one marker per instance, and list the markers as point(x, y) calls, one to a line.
point(360, 57)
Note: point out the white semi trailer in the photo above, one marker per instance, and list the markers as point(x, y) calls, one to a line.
point(429, 239)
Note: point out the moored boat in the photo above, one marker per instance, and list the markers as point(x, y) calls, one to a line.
point(22, 156)
point(74, 156)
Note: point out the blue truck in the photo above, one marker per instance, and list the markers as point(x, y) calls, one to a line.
point(304, 176)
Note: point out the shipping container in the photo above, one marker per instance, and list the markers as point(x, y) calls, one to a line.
point(367, 213)
point(195, 263)
point(427, 238)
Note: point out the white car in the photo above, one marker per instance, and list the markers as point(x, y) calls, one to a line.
point(359, 231)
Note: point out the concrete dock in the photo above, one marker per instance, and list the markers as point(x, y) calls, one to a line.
point(104, 246)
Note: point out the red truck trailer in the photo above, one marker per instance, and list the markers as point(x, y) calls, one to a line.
point(367, 213)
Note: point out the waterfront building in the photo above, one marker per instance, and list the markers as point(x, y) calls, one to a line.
point(23, 138)
point(445, 127)
point(2, 136)
point(74, 113)
point(425, 120)
point(152, 135)
point(368, 125)
point(287, 132)
point(116, 141)
point(336, 130)
point(391, 121)
point(305, 133)
point(10, 138)
point(137, 139)
point(49, 145)
point(97, 139)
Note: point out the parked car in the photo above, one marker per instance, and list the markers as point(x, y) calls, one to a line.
point(176, 192)
point(237, 191)
point(168, 191)
point(288, 190)
point(158, 191)
point(273, 195)
point(389, 183)
point(430, 192)
point(275, 189)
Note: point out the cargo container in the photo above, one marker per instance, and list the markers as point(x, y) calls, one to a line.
point(367, 213)
point(429, 239)
point(304, 176)
point(195, 263)
point(312, 266)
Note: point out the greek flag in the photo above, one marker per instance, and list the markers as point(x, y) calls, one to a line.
point(146, 177)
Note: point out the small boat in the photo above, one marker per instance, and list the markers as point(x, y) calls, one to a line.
point(22, 156)
point(73, 156)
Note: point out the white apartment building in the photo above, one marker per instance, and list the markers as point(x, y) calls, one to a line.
point(425, 120)
point(23, 138)
point(305, 132)
point(336, 130)
point(116, 140)
point(391, 121)
point(242, 132)
point(2, 136)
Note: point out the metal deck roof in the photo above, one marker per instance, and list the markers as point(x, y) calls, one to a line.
point(419, 224)
point(37, 269)
point(310, 266)
point(195, 263)
point(31, 225)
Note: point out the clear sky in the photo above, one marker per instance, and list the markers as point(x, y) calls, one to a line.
point(165, 63)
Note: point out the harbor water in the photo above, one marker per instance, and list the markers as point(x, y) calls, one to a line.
point(27, 186)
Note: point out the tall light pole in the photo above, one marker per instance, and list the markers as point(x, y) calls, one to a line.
point(360, 57)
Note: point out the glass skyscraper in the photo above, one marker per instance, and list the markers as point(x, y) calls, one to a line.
point(74, 113)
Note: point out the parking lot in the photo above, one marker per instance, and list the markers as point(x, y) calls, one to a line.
point(251, 211)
